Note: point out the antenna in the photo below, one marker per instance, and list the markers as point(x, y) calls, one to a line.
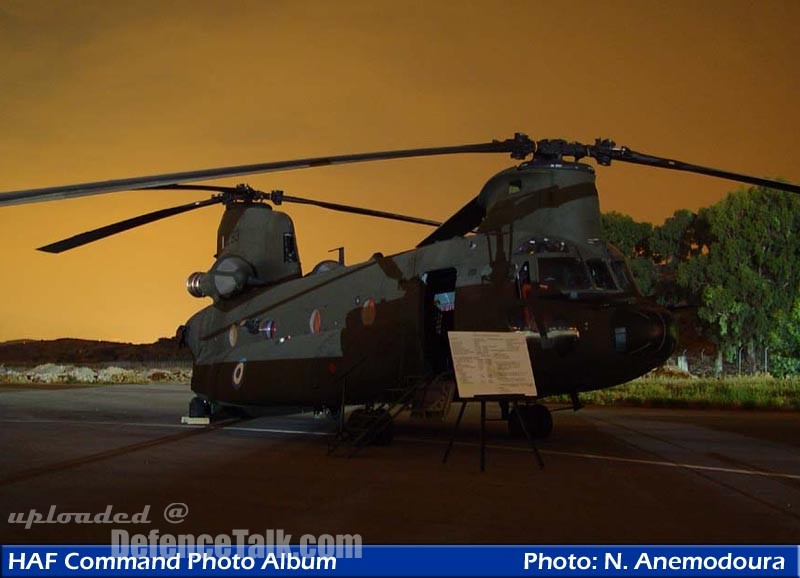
point(341, 254)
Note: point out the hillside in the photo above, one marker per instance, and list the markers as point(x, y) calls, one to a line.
point(83, 351)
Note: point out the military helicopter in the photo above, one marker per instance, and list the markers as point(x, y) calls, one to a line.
point(525, 255)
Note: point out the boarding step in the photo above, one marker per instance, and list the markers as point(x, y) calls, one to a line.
point(432, 400)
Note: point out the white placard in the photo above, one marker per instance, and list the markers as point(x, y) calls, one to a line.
point(489, 363)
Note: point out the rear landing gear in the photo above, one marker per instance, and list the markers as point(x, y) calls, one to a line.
point(199, 407)
point(537, 419)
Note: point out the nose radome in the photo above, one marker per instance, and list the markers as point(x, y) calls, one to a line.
point(642, 331)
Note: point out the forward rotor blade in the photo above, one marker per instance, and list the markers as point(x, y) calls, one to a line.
point(519, 147)
point(359, 211)
point(108, 230)
point(626, 155)
point(277, 197)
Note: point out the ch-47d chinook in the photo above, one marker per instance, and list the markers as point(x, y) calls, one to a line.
point(524, 255)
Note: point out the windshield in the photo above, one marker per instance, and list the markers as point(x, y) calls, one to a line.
point(601, 276)
point(623, 275)
point(565, 273)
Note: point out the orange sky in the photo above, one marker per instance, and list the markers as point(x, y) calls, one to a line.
point(93, 90)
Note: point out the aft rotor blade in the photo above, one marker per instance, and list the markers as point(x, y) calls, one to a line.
point(360, 211)
point(520, 146)
point(103, 232)
point(626, 155)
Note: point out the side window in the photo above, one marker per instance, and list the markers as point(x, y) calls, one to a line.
point(289, 248)
point(523, 279)
point(601, 276)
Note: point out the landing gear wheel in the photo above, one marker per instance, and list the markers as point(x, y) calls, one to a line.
point(537, 418)
point(386, 435)
point(357, 420)
point(199, 407)
point(543, 421)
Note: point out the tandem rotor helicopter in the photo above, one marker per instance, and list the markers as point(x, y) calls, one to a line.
point(525, 255)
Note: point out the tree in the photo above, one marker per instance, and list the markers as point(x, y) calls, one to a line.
point(681, 237)
point(785, 357)
point(627, 235)
point(745, 272)
point(633, 240)
point(646, 275)
point(675, 239)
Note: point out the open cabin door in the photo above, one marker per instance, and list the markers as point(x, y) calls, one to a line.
point(439, 310)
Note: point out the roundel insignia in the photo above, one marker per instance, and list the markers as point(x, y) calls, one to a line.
point(315, 321)
point(238, 374)
point(368, 312)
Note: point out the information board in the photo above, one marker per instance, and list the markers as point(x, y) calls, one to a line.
point(491, 363)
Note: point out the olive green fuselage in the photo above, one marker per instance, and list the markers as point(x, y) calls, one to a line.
point(535, 264)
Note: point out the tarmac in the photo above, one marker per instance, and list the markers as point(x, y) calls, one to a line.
point(611, 475)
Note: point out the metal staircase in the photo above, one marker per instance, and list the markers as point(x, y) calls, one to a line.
point(427, 397)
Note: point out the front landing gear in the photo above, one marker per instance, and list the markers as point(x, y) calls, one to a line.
point(537, 419)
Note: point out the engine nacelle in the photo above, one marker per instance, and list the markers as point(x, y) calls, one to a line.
point(255, 247)
point(226, 278)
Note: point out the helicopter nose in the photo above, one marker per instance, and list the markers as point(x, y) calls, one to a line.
point(642, 331)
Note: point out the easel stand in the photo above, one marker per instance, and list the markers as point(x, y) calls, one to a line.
point(513, 400)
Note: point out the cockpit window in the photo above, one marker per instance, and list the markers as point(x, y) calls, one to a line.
point(565, 273)
point(623, 275)
point(601, 276)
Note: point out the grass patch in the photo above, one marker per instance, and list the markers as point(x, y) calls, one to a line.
point(745, 392)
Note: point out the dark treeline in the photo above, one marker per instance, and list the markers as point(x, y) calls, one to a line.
point(737, 262)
